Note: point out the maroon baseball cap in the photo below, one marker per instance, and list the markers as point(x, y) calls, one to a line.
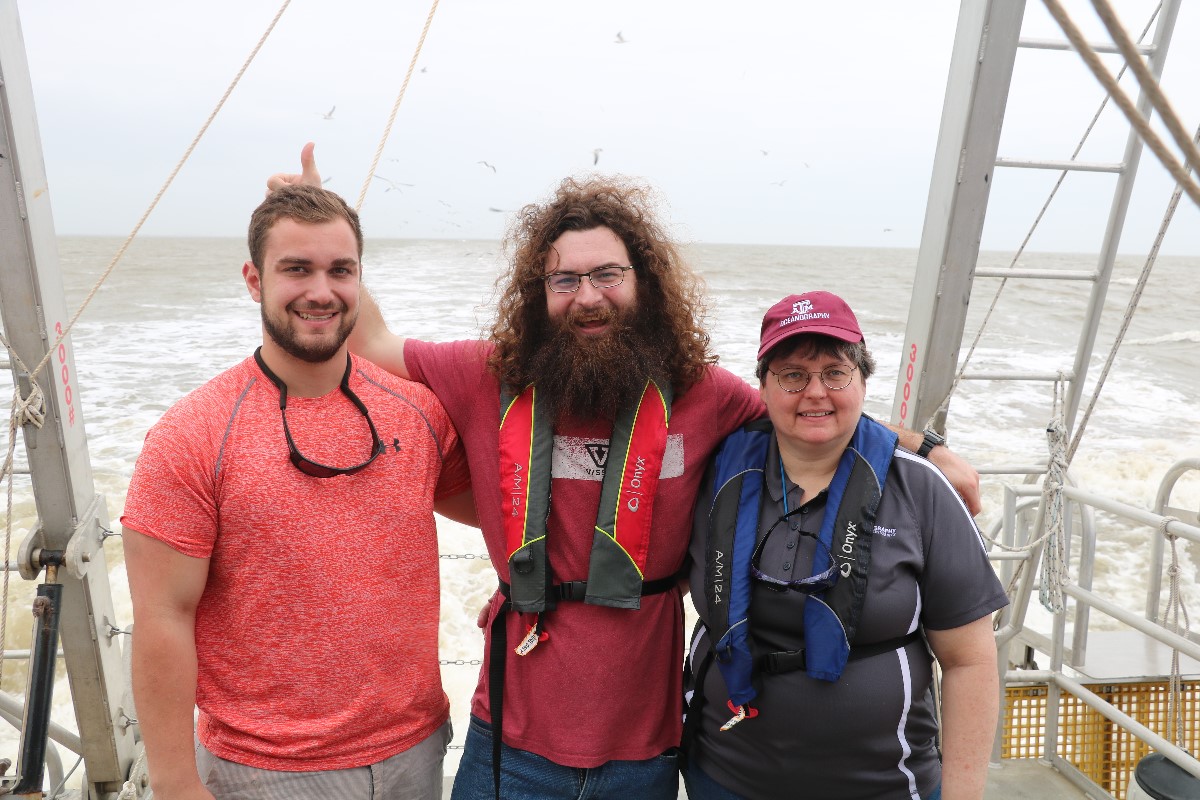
point(812, 312)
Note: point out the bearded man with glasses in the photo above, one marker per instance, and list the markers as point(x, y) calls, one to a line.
point(588, 416)
point(271, 515)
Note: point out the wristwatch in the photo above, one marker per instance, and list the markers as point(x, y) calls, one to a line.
point(932, 440)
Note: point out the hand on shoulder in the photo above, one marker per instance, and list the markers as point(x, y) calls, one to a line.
point(962, 476)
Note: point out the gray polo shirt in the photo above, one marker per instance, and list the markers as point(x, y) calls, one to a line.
point(870, 734)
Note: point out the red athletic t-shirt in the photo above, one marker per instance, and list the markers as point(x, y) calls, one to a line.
point(317, 632)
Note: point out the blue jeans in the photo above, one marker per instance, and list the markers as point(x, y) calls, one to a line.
point(526, 776)
point(701, 787)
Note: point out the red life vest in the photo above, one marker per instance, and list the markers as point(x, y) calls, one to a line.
point(621, 542)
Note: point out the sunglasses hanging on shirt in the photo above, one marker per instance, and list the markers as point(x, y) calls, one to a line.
point(298, 459)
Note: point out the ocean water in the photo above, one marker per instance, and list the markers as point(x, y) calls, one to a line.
point(175, 312)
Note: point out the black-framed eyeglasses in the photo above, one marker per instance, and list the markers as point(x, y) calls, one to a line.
point(298, 459)
point(796, 380)
point(601, 278)
point(810, 585)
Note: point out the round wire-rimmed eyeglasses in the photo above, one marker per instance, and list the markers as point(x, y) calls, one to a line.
point(834, 378)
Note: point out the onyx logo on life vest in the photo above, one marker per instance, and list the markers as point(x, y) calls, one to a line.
point(847, 552)
point(635, 484)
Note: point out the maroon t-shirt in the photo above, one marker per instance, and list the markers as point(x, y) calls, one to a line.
point(606, 685)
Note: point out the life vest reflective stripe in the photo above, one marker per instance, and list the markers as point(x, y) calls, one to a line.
point(830, 617)
point(621, 540)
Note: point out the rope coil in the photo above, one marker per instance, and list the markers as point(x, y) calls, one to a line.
point(1175, 619)
point(1054, 558)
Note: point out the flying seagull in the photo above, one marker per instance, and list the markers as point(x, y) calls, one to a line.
point(486, 164)
point(779, 183)
point(393, 184)
point(328, 114)
point(620, 39)
point(596, 155)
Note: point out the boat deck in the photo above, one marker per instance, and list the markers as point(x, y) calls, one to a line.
point(1029, 779)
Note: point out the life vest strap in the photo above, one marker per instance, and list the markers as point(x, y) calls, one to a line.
point(577, 590)
point(498, 656)
point(792, 660)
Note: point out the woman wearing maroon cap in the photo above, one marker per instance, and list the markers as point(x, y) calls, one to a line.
point(827, 562)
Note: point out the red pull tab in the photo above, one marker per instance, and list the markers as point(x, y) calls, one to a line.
point(533, 637)
point(739, 713)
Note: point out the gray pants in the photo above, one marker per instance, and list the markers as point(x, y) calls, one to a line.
point(415, 774)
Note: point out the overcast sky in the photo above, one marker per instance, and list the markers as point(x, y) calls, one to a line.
point(779, 122)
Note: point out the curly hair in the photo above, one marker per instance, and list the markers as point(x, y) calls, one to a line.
point(668, 291)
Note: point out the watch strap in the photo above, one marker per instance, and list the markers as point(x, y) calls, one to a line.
point(932, 440)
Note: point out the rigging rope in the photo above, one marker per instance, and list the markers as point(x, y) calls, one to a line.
point(31, 409)
point(25, 410)
point(1149, 85)
point(1054, 566)
point(1140, 123)
point(1130, 308)
point(162, 190)
point(387, 129)
point(944, 406)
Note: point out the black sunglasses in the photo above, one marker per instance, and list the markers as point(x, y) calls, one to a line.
point(307, 465)
point(815, 583)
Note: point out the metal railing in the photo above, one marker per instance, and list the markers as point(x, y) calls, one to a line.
point(1015, 528)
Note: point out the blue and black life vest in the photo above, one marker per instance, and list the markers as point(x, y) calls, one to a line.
point(830, 617)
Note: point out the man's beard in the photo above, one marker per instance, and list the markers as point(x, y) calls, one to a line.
point(315, 351)
point(595, 376)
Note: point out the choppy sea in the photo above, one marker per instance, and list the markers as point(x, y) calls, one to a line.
point(175, 312)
